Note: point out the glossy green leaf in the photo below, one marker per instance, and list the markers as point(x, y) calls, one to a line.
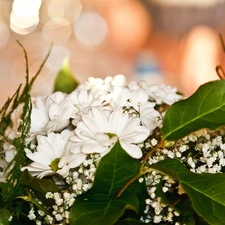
point(101, 204)
point(4, 217)
point(204, 109)
point(101, 209)
point(65, 80)
point(206, 191)
point(114, 171)
point(39, 186)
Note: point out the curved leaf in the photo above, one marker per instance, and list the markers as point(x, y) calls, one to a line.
point(204, 109)
point(101, 209)
point(39, 186)
point(206, 191)
point(114, 171)
point(102, 204)
point(4, 217)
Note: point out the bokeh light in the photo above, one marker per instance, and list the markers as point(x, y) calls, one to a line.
point(23, 22)
point(58, 53)
point(109, 37)
point(26, 8)
point(56, 33)
point(91, 29)
point(70, 10)
point(24, 17)
point(129, 26)
point(200, 56)
point(4, 34)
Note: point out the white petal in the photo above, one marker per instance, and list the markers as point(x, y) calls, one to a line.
point(93, 147)
point(133, 150)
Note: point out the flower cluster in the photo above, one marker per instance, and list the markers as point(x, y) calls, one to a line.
point(202, 151)
point(70, 134)
point(65, 128)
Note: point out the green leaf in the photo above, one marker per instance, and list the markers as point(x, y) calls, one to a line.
point(206, 191)
point(39, 186)
point(102, 204)
point(101, 209)
point(204, 109)
point(4, 217)
point(114, 171)
point(65, 81)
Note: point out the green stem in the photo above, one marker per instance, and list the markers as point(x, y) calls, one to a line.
point(160, 145)
point(128, 184)
point(29, 198)
point(142, 170)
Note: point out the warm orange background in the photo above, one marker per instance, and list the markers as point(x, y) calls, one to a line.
point(175, 44)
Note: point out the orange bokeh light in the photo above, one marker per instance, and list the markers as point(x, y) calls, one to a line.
point(129, 26)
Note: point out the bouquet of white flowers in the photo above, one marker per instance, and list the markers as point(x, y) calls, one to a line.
point(110, 152)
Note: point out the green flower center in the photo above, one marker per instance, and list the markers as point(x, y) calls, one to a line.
point(54, 164)
point(111, 135)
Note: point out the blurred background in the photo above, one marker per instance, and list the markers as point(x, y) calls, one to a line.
point(175, 42)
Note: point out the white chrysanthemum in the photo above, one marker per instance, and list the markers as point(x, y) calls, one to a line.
point(82, 100)
point(103, 88)
point(99, 130)
point(105, 85)
point(161, 93)
point(150, 117)
point(50, 113)
point(126, 97)
point(53, 155)
point(135, 102)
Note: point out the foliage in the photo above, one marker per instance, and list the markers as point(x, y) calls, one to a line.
point(65, 81)
point(119, 194)
point(13, 188)
point(204, 109)
point(206, 191)
point(104, 203)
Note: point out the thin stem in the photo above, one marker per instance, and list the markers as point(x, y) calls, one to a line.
point(26, 58)
point(29, 198)
point(128, 183)
point(160, 145)
point(220, 72)
point(42, 65)
point(141, 171)
point(222, 42)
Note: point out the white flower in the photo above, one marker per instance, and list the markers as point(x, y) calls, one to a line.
point(136, 103)
point(50, 113)
point(82, 100)
point(106, 85)
point(31, 214)
point(150, 117)
point(161, 93)
point(125, 97)
point(103, 88)
point(99, 130)
point(53, 155)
